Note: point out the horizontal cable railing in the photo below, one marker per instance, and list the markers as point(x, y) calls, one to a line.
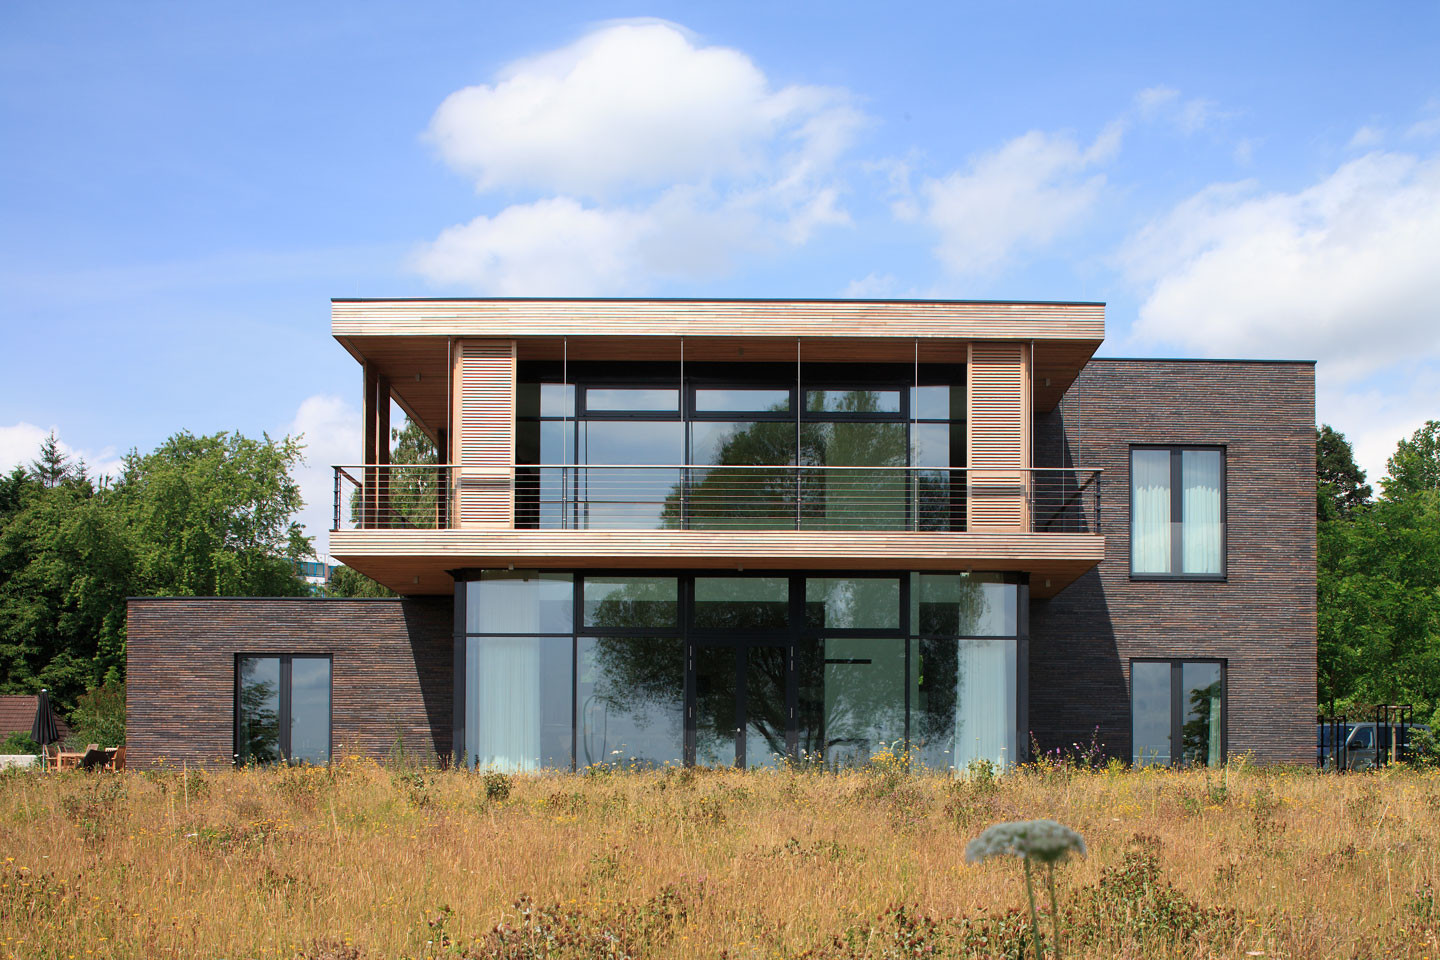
point(748, 497)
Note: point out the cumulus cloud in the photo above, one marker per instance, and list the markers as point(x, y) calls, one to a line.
point(20, 445)
point(1374, 418)
point(650, 157)
point(1021, 196)
point(1346, 270)
point(331, 432)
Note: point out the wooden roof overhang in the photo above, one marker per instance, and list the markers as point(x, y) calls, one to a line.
point(408, 341)
point(419, 561)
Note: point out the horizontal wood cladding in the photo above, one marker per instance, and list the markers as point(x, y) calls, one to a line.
point(391, 663)
point(719, 318)
point(414, 561)
point(997, 433)
point(485, 373)
point(1260, 619)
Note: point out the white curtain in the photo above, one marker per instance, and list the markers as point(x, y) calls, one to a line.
point(1200, 510)
point(502, 689)
point(985, 702)
point(1150, 522)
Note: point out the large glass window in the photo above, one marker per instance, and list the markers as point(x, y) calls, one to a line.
point(630, 705)
point(742, 603)
point(964, 605)
point(850, 603)
point(1177, 703)
point(630, 603)
point(851, 699)
point(1177, 512)
point(517, 704)
point(282, 709)
point(964, 701)
point(520, 602)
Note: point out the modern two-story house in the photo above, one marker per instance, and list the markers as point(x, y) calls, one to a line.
point(754, 532)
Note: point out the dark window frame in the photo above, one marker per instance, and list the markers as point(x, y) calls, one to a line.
point(1177, 544)
point(283, 708)
point(1177, 706)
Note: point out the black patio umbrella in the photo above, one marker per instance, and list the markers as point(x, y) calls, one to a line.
point(44, 731)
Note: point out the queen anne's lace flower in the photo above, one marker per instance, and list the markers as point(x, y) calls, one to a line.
point(1043, 841)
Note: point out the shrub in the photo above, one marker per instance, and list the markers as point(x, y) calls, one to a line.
point(19, 742)
point(99, 716)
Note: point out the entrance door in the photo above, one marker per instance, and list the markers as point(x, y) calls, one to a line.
point(740, 704)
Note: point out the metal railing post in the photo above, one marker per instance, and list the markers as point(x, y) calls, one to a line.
point(337, 500)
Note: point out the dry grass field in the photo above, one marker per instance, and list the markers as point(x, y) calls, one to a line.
point(364, 861)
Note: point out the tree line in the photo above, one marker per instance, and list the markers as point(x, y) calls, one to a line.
point(1378, 576)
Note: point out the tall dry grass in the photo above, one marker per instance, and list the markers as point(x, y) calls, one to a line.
point(361, 860)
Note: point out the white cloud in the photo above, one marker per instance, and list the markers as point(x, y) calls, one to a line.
point(1374, 420)
point(1189, 116)
point(1366, 137)
point(634, 104)
point(1021, 196)
point(1428, 125)
point(1346, 271)
point(655, 159)
point(20, 445)
point(331, 429)
point(871, 286)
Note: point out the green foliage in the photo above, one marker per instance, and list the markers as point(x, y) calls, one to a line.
point(19, 742)
point(1378, 582)
point(99, 716)
point(345, 582)
point(1340, 484)
point(1415, 466)
point(198, 516)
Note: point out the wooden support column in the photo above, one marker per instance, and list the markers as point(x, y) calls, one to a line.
point(382, 452)
point(369, 454)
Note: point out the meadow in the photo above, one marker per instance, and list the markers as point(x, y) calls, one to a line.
point(362, 860)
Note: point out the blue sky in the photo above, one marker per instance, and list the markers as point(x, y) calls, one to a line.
point(184, 186)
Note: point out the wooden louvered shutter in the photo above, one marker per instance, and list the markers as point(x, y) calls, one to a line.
point(484, 436)
point(999, 432)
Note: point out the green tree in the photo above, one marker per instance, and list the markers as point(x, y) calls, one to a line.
point(1339, 481)
point(345, 582)
point(213, 516)
point(1415, 465)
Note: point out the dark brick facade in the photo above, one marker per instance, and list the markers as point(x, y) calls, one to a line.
point(391, 671)
point(1261, 619)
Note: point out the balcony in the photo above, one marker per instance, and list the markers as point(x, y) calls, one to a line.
point(728, 498)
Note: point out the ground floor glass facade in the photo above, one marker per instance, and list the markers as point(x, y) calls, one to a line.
point(568, 670)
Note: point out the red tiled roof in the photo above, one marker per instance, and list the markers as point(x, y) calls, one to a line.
point(17, 712)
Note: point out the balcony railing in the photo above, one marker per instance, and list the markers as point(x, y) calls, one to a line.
point(950, 500)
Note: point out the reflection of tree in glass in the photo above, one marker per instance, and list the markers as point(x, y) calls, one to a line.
point(1195, 732)
point(632, 677)
point(638, 604)
point(259, 720)
point(954, 610)
point(765, 707)
point(839, 499)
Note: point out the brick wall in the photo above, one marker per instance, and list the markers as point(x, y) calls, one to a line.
point(1261, 619)
point(391, 671)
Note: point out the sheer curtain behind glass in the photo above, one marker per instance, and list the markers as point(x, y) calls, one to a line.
point(502, 710)
point(1150, 506)
point(985, 702)
point(1200, 510)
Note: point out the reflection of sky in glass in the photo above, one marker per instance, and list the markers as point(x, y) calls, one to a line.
point(741, 400)
point(606, 398)
point(966, 606)
point(632, 442)
point(631, 601)
point(1150, 712)
point(541, 603)
point(310, 709)
point(930, 445)
point(930, 403)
